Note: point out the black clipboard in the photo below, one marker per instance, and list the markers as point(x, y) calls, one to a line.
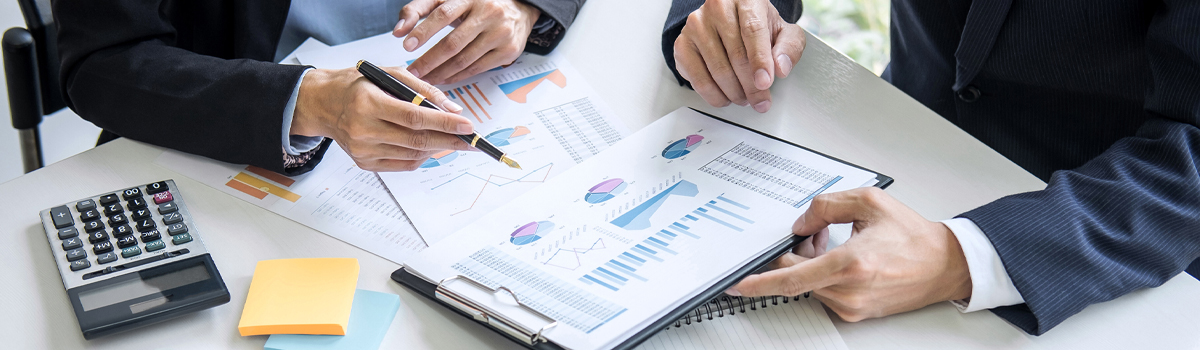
point(532, 339)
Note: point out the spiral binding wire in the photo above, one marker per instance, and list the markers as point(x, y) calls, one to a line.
point(731, 305)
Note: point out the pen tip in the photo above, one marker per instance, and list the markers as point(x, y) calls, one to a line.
point(511, 163)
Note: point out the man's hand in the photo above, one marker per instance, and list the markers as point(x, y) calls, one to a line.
point(380, 132)
point(732, 50)
point(487, 34)
point(894, 261)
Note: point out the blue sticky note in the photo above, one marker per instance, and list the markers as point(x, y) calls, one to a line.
point(370, 317)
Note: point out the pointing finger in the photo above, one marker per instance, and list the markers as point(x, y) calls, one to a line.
point(805, 276)
point(837, 208)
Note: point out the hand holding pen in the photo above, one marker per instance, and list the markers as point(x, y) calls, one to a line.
point(380, 132)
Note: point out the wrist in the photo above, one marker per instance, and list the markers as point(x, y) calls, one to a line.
point(312, 107)
point(956, 278)
point(532, 13)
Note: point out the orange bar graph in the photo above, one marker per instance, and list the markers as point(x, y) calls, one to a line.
point(258, 188)
point(271, 175)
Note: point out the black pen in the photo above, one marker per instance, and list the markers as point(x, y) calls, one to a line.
point(396, 88)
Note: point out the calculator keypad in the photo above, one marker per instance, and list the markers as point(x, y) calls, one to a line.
point(118, 225)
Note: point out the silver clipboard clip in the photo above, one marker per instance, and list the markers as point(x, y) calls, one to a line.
point(479, 311)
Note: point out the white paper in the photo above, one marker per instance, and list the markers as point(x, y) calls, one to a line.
point(619, 240)
point(309, 45)
point(538, 110)
point(336, 198)
point(796, 325)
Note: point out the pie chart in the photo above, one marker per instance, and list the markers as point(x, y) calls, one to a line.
point(605, 190)
point(531, 232)
point(682, 147)
point(439, 159)
point(505, 137)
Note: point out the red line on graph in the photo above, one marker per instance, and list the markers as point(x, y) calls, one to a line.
point(485, 113)
point(482, 95)
point(578, 262)
point(489, 181)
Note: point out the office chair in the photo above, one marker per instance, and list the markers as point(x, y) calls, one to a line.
point(31, 70)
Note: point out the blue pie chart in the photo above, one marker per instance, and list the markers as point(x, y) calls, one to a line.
point(682, 147)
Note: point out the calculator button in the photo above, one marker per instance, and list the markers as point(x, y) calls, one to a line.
point(168, 207)
point(127, 241)
point(172, 218)
point(150, 236)
point(97, 237)
point(146, 225)
point(117, 220)
point(76, 254)
point(181, 239)
point(106, 257)
point(113, 209)
point(140, 213)
point(61, 215)
point(137, 203)
point(131, 251)
point(132, 193)
point(109, 199)
point(155, 245)
point(80, 265)
point(94, 225)
point(85, 205)
point(102, 247)
point(67, 233)
point(89, 215)
point(177, 229)
point(156, 187)
point(121, 231)
point(163, 197)
point(72, 243)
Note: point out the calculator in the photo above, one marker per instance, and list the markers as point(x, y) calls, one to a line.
point(131, 258)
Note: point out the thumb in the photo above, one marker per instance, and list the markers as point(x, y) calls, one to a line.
point(806, 275)
point(834, 208)
point(789, 46)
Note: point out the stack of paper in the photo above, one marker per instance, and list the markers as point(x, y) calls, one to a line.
point(300, 296)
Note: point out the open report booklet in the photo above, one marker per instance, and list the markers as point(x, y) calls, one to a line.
point(621, 240)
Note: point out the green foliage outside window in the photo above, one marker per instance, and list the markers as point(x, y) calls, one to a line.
point(858, 28)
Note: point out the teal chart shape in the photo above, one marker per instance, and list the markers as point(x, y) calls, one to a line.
point(605, 190)
point(531, 232)
point(639, 217)
point(682, 147)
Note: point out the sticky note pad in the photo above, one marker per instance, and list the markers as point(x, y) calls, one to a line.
point(369, 322)
point(300, 296)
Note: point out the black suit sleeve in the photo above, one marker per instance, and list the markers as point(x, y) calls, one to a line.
point(790, 10)
point(1126, 220)
point(563, 13)
point(122, 71)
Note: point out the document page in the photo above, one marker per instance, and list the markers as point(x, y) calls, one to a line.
point(337, 198)
point(619, 240)
point(796, 325)
point(538, 110)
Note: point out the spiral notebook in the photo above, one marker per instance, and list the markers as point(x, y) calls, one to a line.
point(638, 238)
point(795, 323)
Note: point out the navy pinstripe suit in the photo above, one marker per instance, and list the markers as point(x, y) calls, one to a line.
point(1099, 98)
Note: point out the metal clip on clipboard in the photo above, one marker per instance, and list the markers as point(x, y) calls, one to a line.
point(495, 320)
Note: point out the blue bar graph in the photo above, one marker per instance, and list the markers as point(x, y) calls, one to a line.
point(666, 235)
point(623, 266)
point(681, 226)
point(644, 249)
point(693, 218)
point(588, 278)
point(616, 278)
point(730, 213)
point(646, 254)
point(818, 191)
point(660, 248)
point(632, 258)
point(736, 204)
point(685, 232)
point(719, 221)
point(625, 272)
point(656, 240)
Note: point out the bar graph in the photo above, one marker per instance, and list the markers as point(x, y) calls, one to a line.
point(718, 218)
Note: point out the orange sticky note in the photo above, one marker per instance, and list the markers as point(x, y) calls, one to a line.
point(300, 296)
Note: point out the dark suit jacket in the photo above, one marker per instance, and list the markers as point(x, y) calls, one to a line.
point(1099, 98)
point(193, 75)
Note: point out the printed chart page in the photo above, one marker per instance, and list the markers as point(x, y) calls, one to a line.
point(336, 197)
point(621, 239)
point(795, 325)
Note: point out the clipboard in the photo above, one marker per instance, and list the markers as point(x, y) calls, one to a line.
point(533, 339)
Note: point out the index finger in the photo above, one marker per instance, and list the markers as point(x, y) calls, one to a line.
point(805, 276)
point(756, 35)
point(409, 115)
point(411, 14)
point(439, 18)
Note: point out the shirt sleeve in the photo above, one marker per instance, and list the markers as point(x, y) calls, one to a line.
point(295, 145)
point(990, 284)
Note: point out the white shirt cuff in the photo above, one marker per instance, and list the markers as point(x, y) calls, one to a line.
point(990, 284)
point(295, 144)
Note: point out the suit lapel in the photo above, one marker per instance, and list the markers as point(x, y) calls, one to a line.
point(984, 21)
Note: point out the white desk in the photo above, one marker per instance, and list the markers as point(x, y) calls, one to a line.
point(829, 104)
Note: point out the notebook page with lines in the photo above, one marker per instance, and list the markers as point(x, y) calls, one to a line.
point(796, 325)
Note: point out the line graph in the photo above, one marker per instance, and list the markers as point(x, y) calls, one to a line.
point(494, 180)
point(569, 258)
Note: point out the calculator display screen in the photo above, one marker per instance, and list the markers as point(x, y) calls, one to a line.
point(138, 287)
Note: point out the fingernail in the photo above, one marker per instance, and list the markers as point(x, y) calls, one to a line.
point(410, 44)
point(399, 25)
point(414, 72)
point(464, 129)
point(762, 79)
point(453, 107)
point(733, 292)
point(763, 107)
point(785, 64)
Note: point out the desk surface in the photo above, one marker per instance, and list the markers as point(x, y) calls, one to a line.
point(829, 104)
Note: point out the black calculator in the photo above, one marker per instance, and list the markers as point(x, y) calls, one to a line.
point(131, 258)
